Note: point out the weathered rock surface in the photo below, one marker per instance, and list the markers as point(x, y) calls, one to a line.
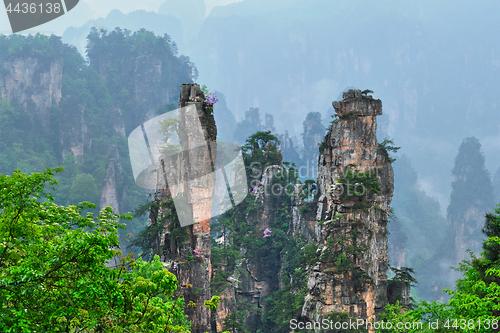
point(29, 81)
point(351, 274)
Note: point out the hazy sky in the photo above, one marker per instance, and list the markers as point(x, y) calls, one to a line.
point(102, 8)
point(94, 9)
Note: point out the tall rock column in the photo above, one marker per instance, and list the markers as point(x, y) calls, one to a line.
point(355, 187)
point(195, 158)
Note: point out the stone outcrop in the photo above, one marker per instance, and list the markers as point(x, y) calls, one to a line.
point(355, 187)
point(304, 220)
point(349, 226)
point(397, 254)
point(37, 85)
point(118, 120)
point(257, 279)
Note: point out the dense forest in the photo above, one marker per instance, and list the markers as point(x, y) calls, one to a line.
point(98, 107)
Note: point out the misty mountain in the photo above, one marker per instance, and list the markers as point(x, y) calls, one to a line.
point(140, 19)
point(436, 72)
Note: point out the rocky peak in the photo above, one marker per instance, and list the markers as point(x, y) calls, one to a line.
point(355, 187)
point(355, 103)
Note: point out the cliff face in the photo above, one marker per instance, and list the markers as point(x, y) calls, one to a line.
point(37, 86)
point(258, 281)
point(30, 82)
point(355, 187)
point(110, 195)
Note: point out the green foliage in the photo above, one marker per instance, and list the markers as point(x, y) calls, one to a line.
point(88, 101)
point(237, 236)
point(417, 320)
point(322, 147)
point(42, 47)
point(400, 284)
point(213, 303)
point(404, 274)
point(287, 302)
point(21, 145)
point(474, 301)
point(309, 256)
point(53, 273)
point(359, 184)
point(366, 92)
point(261, 149)
point(308, 189)
point(388, 146)
point(341, 257)
point(83, 187)
point(234, 322)
point(124, 57)
point(163, 216)
point(345, 116)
